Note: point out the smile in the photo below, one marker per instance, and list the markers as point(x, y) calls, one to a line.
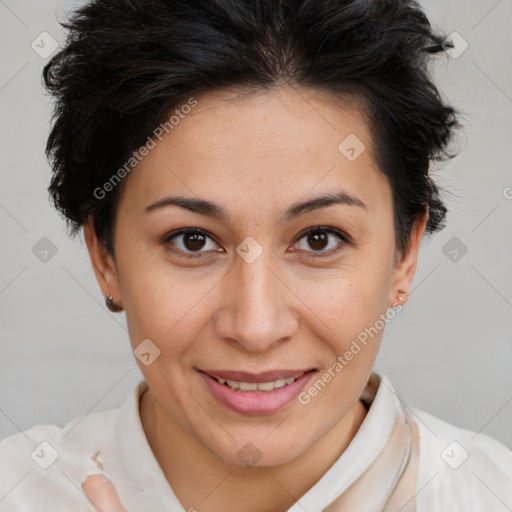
point(258, 386)
point(252, 394)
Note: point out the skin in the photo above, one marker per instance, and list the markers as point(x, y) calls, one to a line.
point(102, 494)
point(254, 155)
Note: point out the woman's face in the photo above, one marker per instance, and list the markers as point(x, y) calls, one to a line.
point(253, 292)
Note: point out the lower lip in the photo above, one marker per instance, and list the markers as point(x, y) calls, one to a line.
point(256, 402)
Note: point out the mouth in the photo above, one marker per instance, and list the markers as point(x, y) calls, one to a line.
point(261, 393)
point(268, 381)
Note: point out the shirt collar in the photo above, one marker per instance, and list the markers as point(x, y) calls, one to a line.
point(150, 488)
point(364, 448)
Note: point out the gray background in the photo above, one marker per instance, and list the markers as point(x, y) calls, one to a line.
point(448, 352)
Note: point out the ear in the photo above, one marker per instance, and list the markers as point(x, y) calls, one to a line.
point(404, 270)
point(103, 264)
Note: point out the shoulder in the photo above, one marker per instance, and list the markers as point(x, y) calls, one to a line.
point(459, 469)
point(46, 462)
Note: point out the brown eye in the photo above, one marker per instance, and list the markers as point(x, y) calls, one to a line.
point(194, 241)
point(321, 240)
point(318, 240)
point(190, 241)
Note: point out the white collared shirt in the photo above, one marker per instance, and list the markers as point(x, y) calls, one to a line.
point(42, 468)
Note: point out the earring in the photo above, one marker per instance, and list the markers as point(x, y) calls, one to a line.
point(401, 291)
point(111, 305)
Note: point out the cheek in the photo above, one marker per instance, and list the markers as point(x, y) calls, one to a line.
point(164, 304)
point(347, 311)
point(347, 301)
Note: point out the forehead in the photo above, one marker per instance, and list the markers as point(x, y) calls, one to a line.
point(278, 145)
point(280, 119)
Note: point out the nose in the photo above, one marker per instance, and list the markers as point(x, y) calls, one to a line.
point(258, 310)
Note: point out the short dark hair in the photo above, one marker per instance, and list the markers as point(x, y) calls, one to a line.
point(126, 63)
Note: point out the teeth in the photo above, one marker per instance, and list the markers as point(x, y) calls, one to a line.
point(248, 386)
point(280, 383)
point(260, 386)
point(265, 386)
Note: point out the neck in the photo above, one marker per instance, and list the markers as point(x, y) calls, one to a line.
point(202, 480)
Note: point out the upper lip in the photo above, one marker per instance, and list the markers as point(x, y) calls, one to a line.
point(268, 376)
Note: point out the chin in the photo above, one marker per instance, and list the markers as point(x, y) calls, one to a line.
point(259, 452)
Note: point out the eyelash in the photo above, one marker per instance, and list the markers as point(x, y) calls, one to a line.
point(314, 254)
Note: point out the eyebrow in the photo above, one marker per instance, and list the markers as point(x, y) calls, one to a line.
point(210, 209)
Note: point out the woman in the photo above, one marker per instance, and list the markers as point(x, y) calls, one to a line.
point(252, 181)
